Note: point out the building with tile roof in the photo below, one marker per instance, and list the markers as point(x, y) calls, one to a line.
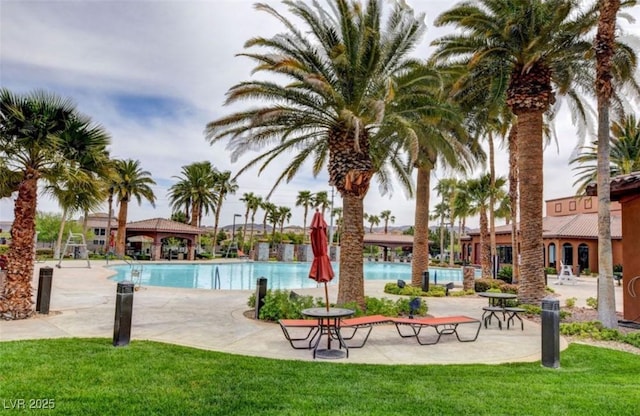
point(570, 235)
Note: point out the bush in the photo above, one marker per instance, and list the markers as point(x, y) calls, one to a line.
point(44, 252)
point(506, 274)
point(592, 303)
point(550, 270)
point(4, 248)
point(509, 288)
point(483, 285)
point(617, 268)
point(570, 302)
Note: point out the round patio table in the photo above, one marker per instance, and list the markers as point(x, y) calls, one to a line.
point(329, 323)
point(498, 298)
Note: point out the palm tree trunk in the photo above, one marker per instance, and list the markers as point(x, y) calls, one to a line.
point(15, 299)
point(58, 254)
point(605, 42)
point(513, 199)
point(109, 216)
point(485, 245)
point(492, 199)
point(215, 225)
point(420, 256)
point(532, 287)
point(121, 235)
point(351, 284)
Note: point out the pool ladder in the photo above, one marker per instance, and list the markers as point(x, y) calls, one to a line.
point(216, 279)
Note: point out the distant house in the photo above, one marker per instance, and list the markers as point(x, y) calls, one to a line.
point(570, 235)
point(97, 227)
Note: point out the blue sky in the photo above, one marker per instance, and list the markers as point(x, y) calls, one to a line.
point(153, 73)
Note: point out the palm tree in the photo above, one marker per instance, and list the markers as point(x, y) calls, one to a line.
point(604, 46)
point(624, 154)
point(342, 66)
point(35, 144)
point(132, 182)
point(194, 191)
point(337, 213)
point(284, 214)
point(268, 208)
point(386, 217)
point(321, 200)
point(373, 220)
point(479, 191)
point(538, 44)
point(224, 185)
point(252, 203)
point(305, 199)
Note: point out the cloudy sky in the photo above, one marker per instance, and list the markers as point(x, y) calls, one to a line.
point(154, 72)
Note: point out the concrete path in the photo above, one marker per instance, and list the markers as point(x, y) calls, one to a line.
point(83, 305)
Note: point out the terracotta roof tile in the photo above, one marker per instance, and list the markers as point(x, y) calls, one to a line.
point(162, 224)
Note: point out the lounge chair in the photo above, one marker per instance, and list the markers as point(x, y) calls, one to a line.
point(445, 325)
point(300, 326)
point(363, 322)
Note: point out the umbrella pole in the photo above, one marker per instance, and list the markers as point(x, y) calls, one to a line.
point(326, 295)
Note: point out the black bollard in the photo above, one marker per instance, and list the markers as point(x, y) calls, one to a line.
point(551, 332)
point(261, 292)
point(124, 310)
point(45, 277)
point(425, 281)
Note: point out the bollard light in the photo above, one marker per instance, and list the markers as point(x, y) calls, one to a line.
point(261, 292)
point(551, 332)
point(124, 310)
point(45, 278)
point(425, 281)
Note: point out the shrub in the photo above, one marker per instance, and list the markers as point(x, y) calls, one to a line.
point(44, 252)
point(4, 248)
point(570, 302)
point(505, 274)
point(592, 302)
point(483, 285)
point(617, 268)
point(279, 304)
point(509, 288)
point(550, 270)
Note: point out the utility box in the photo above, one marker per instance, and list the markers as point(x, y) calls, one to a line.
point(124, 311)
point(45, 279)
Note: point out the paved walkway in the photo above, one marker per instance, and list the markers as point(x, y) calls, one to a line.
point(83, 305)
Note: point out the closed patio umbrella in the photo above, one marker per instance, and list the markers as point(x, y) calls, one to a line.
point(321, 270)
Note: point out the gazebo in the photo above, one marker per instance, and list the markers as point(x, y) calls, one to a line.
point(156, 229)
point(626, 190)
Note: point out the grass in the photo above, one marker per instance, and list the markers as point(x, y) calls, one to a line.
point(91, 377)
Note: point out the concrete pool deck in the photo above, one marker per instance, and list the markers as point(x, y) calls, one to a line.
point(83, 305)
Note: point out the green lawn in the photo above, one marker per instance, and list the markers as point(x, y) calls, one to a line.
point(91, 377)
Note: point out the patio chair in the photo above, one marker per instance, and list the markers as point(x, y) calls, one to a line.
point(300, 326)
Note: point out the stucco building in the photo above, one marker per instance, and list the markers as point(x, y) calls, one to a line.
point(570, 235)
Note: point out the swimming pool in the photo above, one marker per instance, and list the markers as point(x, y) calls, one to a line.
point(242, 276)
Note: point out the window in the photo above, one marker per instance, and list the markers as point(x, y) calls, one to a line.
point(588, 203)
point(572, 205)
point(583, 256)
point(567, 254)
point(558, 207)
point(552, 255)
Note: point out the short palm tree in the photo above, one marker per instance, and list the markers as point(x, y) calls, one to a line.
point(624, 154)
point(41, 135)
point(387, 218)
point(341, 67)
point(252, 202)
point(194, 191)
point(131, 182)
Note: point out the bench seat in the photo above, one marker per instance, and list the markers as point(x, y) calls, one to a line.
point(362, 322)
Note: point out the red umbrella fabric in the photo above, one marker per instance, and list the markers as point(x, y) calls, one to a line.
point(321, 270)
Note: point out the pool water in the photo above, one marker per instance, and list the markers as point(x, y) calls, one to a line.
point(243, 276)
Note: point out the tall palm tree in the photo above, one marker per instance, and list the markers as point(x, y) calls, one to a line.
point(624, 154)
point(194, 191)
point(321, 200)
point(252, 202)
point(604, 46)
point(337, 213)
point(341, 65)
point(132, 182)
point(35, 145)
point(284, 214)
point(539, 44)
point(224, 185)
point(268, 208)
point(305, 199)
point(387, 217)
